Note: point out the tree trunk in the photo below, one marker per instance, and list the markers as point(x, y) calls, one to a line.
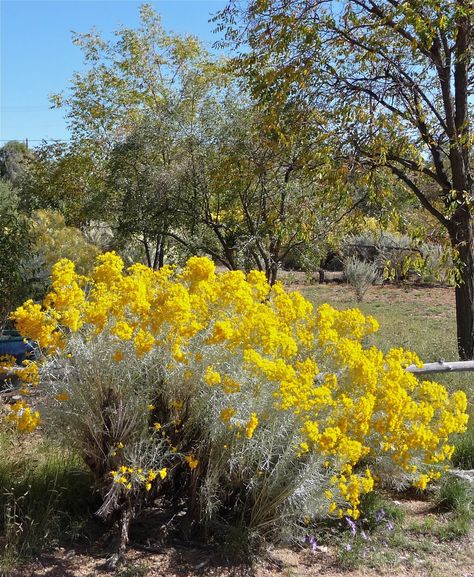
point(159, 258)
point(462, 239)
point(161, 255)
point(272, 273)
point(147, 252)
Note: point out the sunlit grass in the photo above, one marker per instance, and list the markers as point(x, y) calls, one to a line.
point(45, 497)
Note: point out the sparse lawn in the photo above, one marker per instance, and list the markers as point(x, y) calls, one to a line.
point(420, 319)
point(421, 545)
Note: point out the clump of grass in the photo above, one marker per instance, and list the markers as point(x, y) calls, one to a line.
point(463, 457)
point(360, 275)
point(455, 495)
point(45, 497)
point(378, 512)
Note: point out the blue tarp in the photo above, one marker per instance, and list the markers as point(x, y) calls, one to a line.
point(11, 343)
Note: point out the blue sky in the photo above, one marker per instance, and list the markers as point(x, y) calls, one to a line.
point(37, 56)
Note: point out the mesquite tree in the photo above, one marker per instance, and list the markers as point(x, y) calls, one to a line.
point(396, 78)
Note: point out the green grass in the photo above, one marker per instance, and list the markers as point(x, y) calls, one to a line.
point(455, 495)
point(418, 319)
point(405, 535)
point(45, 498)
point(405, 318)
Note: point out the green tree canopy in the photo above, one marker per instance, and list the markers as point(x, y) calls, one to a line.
point(15, 244)
point(395, 80)
point(14, 159)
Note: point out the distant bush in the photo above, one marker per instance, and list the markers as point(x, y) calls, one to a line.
point(438, 264)
point(15, 245)
point(360, 275)
point(396, 256)
point(390, 253)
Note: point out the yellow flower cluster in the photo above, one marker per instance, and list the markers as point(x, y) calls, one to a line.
point(25, 419)
point(212, 377)
point(20, 413)
point(7, 362)
point(191, 461)
point(232, 334)
point(39, 324)
point(350, 486)
point(29, 374)
point(133, 477)
point(227, 414)
point(251, 426)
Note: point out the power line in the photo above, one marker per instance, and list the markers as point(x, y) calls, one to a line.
point(27, 141)
point(35, 139)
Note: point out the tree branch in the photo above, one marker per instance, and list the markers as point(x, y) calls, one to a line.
point(421, 197)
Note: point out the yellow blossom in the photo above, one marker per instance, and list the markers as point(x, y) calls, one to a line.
point(251, 426)
point(191, 461)
point(227, 414)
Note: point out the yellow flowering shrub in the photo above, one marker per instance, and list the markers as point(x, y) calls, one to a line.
point(245, 379)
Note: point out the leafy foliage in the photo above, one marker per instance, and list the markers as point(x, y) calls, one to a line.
point(16, 240)
point(14, 162)
point(65, 178)
point(393, 80)
point(191, 164)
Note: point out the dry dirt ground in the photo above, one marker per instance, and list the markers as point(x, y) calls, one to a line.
point(414, 552)
point(414, 294)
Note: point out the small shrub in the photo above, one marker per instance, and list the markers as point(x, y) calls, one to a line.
point(360, 275)
point(456, 495)
point(463, 456)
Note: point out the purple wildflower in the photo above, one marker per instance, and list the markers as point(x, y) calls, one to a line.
point(380, 515)
point(352, 525)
